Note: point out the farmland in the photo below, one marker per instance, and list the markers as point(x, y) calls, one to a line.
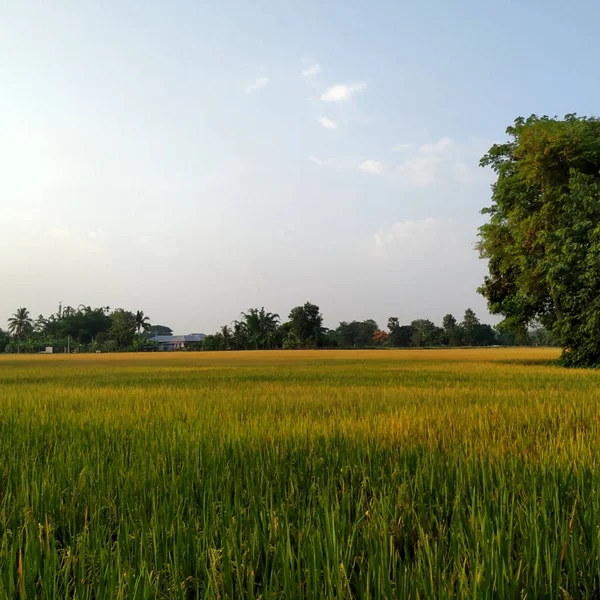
point(381, 474)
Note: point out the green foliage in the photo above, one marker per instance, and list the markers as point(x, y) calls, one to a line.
point(213, 342)
point(123, 326)
point(159, 330)
point(20, 324)
point(81, 325)
point(356, 334)
point(261, 328)
point(226, 337)
point(4, 340)
point(142, 322)
point(453, 332)
point(292, 341)
point(542, 239)
point(400, 335)
point(425, 333)
point(307, 324)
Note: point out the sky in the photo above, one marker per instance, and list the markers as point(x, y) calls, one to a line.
point(195, 159)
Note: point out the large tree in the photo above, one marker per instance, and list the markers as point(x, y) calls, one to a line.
point(542, 239)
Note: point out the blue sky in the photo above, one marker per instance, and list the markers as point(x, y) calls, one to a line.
point(196, 159)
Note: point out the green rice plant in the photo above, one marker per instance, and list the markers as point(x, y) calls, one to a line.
point(384, 474)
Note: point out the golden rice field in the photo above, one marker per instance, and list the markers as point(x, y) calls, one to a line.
point(326, 474)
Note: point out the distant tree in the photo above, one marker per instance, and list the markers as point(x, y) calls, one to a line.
point(261, 328)
point(81, 325)
point(40, 324)
point(239, 336)
point(506, 336)
point(470, 325)
point(400, 335)
point(366, 331)
point(453, 332)
point(292, 341)
point(356, 334)
point(142, 322)
point(424, 332)
point(20, 324)
point(307, 323)
point(4, 340)
point(485, 335)
point(160, 330)
point(347, 333)
point(380, 338)
point(67, 311)
point(331, 339)
point(540, 336)
point(213, 342)
point(123, 326)
point(226, 337)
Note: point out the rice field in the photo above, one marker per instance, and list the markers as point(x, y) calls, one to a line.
point(326, 474)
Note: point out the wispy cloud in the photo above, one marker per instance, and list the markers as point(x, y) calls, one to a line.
point(438, 147)
point(342, 92)
point(259, 84)
point(420, 237)
point(372, 167)
point(401, 147)
point(442, 162)
point(328, 123)
point(419, 171)
point(312, 71)
point(409, 232)
point(315, 160)
point(422, 169)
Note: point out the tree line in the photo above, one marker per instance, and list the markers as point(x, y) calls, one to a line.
point(81, 329)
point(260, 329)
point(87, 329)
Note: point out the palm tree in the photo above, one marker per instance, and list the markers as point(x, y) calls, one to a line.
point(142, 322)
point(240, 335)
point(20, 324)
point(261, 327)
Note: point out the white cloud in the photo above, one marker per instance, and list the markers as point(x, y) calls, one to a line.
point(342, 92)
point(441, 162)
point(259, 84)
point(401, 147)
point(416, 235)
point(372, 167)
point(328, 123)
point(315, 160)
point(437, 148)
point(312, 71)
point(419, 171)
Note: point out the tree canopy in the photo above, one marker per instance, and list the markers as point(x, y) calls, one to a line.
point(542, 239)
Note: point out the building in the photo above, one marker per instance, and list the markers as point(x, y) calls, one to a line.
point(177, 342)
